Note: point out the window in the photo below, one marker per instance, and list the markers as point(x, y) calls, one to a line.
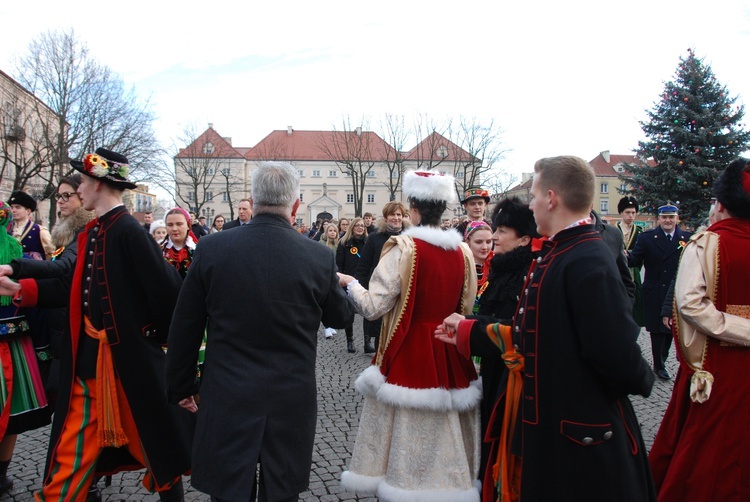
point(301, 197)
point(333, 173)
point(209, 196)
point(371, 173)
point(225, 171)
point(348, 174)
point(605, 187)
point(209, 148)
point(350, 198)
point(191, 196)
point(623, 188)
point(210, 171)
point(301, 173)
point(225, 197)
point(442, 151)
point(190, 171)
point(604, 206)
point(371, 198)
point(316, 173)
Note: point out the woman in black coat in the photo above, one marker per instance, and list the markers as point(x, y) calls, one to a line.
point(348, 255)
point(515, 229)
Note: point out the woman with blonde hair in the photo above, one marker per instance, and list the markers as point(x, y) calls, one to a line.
point(330, 239)
point(349, 252)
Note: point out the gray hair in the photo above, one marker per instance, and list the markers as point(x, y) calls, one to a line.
point(276, 185)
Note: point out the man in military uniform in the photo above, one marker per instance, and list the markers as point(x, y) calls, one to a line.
point(658, 250)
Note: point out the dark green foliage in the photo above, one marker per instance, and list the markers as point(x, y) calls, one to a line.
point(693, 133)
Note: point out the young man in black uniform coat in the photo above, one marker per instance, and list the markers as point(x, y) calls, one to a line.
point(125, 290)
point(258, 393)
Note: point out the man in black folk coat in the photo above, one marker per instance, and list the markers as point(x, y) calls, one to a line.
point(258, 390)
point(111, 414)
point(659, 251)
point(578, 435)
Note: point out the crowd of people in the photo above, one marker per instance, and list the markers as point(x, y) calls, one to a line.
point(504, 345)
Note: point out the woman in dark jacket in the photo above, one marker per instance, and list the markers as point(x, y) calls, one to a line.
point(391, 224)
point(348, 255)
point(515, 229)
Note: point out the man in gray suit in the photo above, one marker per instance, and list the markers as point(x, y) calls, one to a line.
point(262, 313)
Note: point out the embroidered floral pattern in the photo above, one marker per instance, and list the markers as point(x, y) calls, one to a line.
point(8, 328)
point(99, 167)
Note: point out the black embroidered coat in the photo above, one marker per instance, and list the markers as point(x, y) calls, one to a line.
point(578, 435)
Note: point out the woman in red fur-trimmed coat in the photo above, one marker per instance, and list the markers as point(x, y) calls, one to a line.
point(419, 429)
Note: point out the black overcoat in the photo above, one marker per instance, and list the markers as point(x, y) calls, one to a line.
point(579, 436)
point(660, 258)
point(264, 289)
point(142, 291)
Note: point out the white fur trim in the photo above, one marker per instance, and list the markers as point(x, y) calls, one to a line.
point(429, 185)
point(468, 398)
point(369, 381)
point(446, 239)
point(387, 493)
point(427, 399)
point(360, 484)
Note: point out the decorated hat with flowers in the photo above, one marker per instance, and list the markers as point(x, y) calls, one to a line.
point(476, 193)
point(107, 166)
point(429, 186)
point(6, 216)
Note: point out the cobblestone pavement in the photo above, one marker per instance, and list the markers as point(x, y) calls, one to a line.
point(338, 416)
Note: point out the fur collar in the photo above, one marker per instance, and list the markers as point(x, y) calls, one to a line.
point(446, 239)
point(65, 229)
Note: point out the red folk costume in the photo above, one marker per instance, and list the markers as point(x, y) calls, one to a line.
point(702, 450)
point(418, 436)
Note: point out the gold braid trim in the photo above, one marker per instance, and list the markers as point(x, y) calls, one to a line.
point(386, 333)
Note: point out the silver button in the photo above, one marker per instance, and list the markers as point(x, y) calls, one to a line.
point(539, 259)
point(518, 330)
point(587, 441)
point(531, 275)
point(93, 240)
point(520, 311)
point(526, 291)
point(85, 304)
point(85, 291)
point(91, 253)
point(88, 279)
point(89, 265)
point(607, 435)
point(96, 229)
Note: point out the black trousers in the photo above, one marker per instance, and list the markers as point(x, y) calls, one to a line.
point(259, 491)
point(660, 344)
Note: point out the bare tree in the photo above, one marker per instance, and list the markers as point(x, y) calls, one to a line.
point(92, 105)
point(432, 147)
point(395, 134)
point(351, 149)
point(206, 168)
point(475, 150)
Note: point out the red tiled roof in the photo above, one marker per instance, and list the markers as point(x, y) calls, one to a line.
point(603, 168)
point(316, 145)
point(526, 184)
point(222, 148)
point(427, 149)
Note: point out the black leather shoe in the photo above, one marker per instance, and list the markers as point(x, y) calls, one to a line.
point(6, 484)
point(94, 495)
point(369, 349)
point(664, 374)
point(350, 347)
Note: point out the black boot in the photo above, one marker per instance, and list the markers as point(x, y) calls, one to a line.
point(369, 348)
point(174, 494)
point(350, 347)
point(6, 482)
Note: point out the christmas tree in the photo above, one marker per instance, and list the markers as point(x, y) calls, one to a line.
point(693, 133)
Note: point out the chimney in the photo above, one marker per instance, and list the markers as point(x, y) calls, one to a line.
point(605, 156)
point(210, 125)
point(289, 130)
point(358, 130)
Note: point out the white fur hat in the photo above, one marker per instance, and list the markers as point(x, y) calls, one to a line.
point(429, 185)
point(157, 224)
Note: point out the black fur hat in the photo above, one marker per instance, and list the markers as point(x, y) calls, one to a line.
point(732, 188)
point(627, 202)
point(513, 213)
point(22, 199)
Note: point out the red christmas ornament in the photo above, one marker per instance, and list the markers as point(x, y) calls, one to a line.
point(681, 163)
point(686, 100)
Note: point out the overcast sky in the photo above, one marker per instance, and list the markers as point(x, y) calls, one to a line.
point(558, 77)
